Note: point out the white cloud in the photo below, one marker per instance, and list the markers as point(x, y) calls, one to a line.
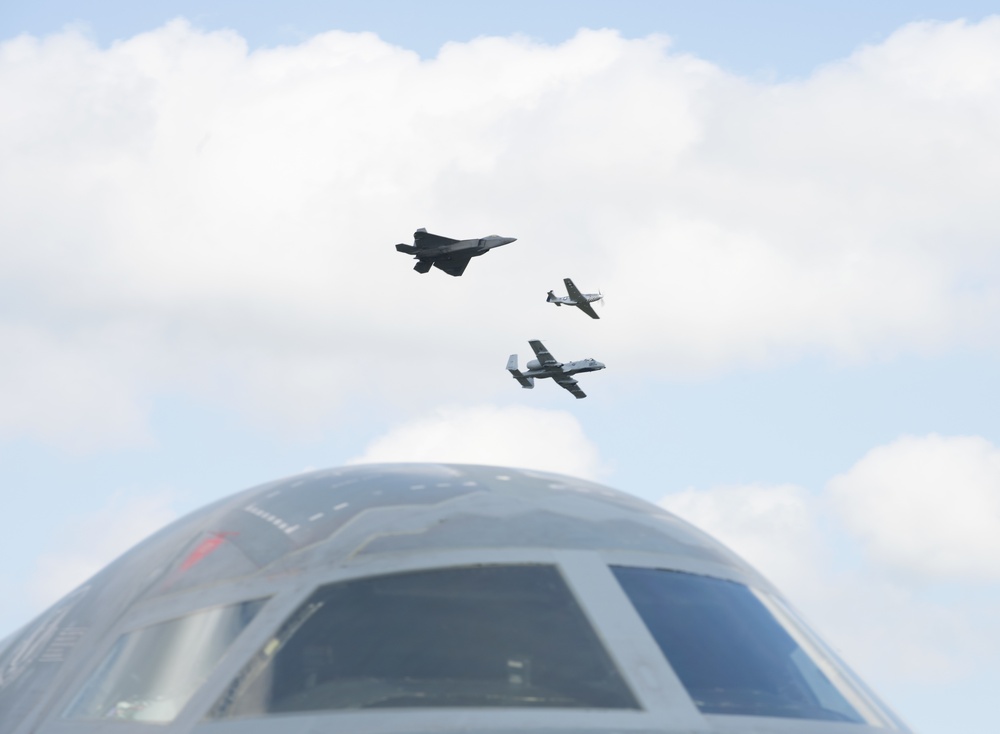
point(238, 211)
point(549, 440)
point(94, 540)
point(929, 505)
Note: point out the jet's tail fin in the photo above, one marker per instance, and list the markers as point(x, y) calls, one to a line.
point(408, 249)
point(423, 266)
point(526, 382)
point(551, 297)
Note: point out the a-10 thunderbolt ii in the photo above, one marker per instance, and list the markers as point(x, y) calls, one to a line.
point(575, 298)
point(451, 256)
point(545, 365)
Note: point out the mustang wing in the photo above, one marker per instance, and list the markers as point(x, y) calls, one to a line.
point(424, 239)
point(573, 291)
point(570, 384)
point(453, 264)
point(585, 306)
point(544, 355)
point(581, 301)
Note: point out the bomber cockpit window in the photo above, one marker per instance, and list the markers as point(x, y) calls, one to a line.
point(737, 652)
point(483, 636)
point(151, 673)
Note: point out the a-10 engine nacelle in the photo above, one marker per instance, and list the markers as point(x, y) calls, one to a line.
point(534, 364)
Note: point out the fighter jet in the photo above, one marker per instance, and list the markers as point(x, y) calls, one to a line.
point(575, 298)
point(451, 256)
point(548, 366)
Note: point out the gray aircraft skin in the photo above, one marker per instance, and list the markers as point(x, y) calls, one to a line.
point(545, 365)
point(451, 256)
point(575, 298)
point(402, 598)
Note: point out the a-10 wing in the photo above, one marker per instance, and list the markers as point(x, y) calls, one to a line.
point(570, 384)
point(581, 302)
point(545, 357)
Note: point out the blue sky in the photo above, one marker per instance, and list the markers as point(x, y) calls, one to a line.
point(789, 208)
point(786, 39)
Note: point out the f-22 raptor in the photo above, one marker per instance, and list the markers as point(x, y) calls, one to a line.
point(545, 365)
point(451, 256)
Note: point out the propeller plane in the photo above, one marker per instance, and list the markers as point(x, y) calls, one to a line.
point(575, 298)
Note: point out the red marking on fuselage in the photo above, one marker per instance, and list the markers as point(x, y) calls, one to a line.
point(203, 549)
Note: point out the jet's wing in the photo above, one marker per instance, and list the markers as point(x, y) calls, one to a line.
point(570, 384)
point(424, 239)
point(545, 357)
point(581, 302)
point(453, 265)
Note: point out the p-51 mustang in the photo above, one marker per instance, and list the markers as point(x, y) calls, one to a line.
point(451, 256)
point(575, 298)
point(545, 365)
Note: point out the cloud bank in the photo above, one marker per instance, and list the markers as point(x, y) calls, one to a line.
point(184, 215)
point(927, 505)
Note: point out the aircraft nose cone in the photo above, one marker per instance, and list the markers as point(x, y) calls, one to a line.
point(507, 240)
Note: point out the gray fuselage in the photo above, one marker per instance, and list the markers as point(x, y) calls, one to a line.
point(536, 369)
point(415, 598)
point(472, 247)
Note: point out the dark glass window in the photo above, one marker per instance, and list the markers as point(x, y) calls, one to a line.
point(484, 636)
point(151, 673)
point(730, 652)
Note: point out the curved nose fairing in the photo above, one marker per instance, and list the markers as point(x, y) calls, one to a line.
point(495, 240)
point(510, 600)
